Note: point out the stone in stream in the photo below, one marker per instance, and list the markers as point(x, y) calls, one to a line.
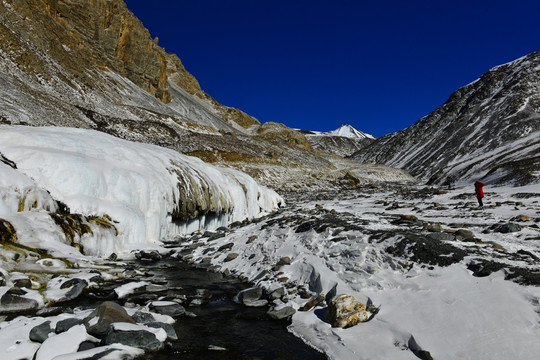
point(250, 297)
point(169, 329)
point(107, 313)
point(278, 293)
point(41, 332)
point(143, 317)
point(170, 308)
point(132, 335)
point(282, 313)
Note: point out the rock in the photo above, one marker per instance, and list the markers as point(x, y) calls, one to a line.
point(51, 311)
point(441, 236)
point(256, 303)
point(408, 217)
point(23, 283)
point(143, 317)
point(227, 247)
point(148, 255)
point(170, 308)
point(521, 218)
point(285, 260)
point(16, 304)
point(106, 314)
point(75, 291)
point(345, 311)
point(216, 236)
point(135, 336)
point(249, 295)
point(231, 257)
point(154, 288)
point(507, 228)
point(251, 239)
point(313, 302)
point(278, 293)
point(434, 227)
point(72, 282)
point(169, 329)
point(87, 345)
point(464, 234)
point(41, 332)
point(283, 313)
point(216, 348)
point(66, 324)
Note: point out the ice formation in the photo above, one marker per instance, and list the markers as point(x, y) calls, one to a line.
point(145, 192)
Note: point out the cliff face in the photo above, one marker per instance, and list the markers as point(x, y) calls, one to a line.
point(488, 129)
point(88, 37)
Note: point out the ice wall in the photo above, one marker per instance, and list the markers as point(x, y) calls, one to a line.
point(149, 192)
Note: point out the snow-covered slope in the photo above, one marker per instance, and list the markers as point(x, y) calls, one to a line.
point(489, 127)
point(143, 193)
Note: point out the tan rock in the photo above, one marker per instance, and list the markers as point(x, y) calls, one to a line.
point(345, 311)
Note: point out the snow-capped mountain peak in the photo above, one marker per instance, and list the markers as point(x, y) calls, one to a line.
point(346, 130)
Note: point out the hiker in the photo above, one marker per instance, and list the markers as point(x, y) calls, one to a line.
point(478, 189)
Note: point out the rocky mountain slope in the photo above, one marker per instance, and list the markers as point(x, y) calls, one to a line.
point(92, 64)
point(344, 141)
point(488, 129)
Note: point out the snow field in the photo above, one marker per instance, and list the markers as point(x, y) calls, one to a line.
point(443, 310)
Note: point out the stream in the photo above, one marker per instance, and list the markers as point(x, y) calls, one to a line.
point(222, 328)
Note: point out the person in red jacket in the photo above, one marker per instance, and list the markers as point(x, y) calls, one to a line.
point(479, 190)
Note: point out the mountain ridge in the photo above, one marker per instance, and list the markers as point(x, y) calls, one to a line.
point(486, 129)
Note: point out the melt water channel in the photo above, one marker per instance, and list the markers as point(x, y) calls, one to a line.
point(245, 332)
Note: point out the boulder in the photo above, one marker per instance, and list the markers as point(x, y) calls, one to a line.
point(169, 329)
point(143, 317)
point(282, 313)
point(441, 236)
point(148, 255)
point(256, 303)
point(231, 257)
point(135, 336)
point(313, 302)
point(249, 295)
point(23, 283)
point(77, 288)
point(170, 308)
point(41, 332)
point(107, 313)
point(66, 324)
point(507, 228)
point(345, 311)
point(434, 227)
point(278, 293)
point(464, 234)
point(16, 304)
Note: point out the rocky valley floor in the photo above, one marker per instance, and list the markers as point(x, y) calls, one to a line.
point(439, 278)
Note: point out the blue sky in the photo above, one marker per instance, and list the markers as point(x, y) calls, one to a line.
point(377, 65)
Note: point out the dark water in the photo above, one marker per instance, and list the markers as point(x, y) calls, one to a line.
point(246, 333)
